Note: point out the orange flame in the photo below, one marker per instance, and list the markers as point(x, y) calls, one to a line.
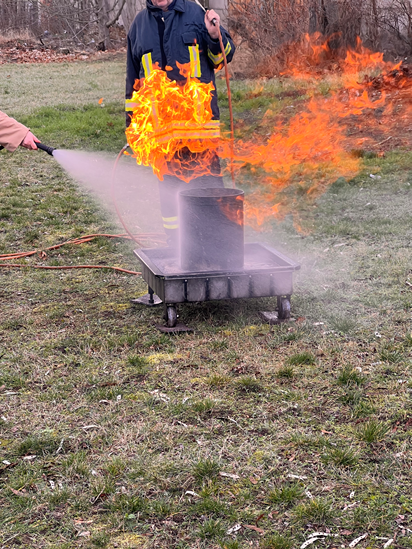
point(362, 58)
point(232, 211)
point(171, 122)
point(172, 129)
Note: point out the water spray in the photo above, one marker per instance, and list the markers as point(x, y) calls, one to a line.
point(7, 261)
point(113, 195)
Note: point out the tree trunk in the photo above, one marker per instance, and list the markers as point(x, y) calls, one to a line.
point(313, 17)
point(318, 17)
point(323, 20)
point(103, 18)
point(375, 24)
point(130, 11)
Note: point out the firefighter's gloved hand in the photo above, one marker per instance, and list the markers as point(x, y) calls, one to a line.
point(29, 142)
point(212, 29)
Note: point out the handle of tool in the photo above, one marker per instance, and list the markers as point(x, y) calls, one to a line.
point(229, 97)
point(45, 148)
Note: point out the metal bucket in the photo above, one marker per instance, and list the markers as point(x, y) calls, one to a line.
point(211, 229)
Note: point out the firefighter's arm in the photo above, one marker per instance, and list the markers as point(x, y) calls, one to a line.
point(214, 52)
point(132, 80)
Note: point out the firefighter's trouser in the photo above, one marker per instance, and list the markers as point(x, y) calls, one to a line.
point(169, 190)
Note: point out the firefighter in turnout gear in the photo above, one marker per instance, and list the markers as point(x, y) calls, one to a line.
point(165, 33)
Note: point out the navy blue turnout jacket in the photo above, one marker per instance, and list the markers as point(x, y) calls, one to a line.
point(176, 35)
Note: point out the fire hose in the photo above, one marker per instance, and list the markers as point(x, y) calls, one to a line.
point(76, 241)
point(229, 94)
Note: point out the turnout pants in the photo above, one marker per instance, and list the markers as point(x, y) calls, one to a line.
point(169, 190)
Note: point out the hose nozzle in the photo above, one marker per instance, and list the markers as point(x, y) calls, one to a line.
point(48, 150)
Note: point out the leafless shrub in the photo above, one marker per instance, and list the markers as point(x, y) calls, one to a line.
point(395, 19)
point(78, 20)
point(267, 24)
point(276, 29)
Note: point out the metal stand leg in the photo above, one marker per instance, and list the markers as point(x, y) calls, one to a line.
point(149, 300)
point(170, 315)
point(284, 308)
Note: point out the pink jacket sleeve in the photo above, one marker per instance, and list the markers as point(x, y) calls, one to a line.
point(12, 132)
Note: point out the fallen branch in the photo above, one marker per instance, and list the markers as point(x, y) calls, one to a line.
point(384, 141)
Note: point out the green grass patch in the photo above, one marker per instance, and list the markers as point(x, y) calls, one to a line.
point(276, 541)
point(350, 376)
point(205, 470)
point(317, 511)
point(372, 431)
point(302, 359)
point(286, 495)
point(88, 127)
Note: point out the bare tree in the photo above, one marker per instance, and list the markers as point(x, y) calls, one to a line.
point(78, 20)
point(130, 10)
point(396, 19)
point(107, 16)
point(269, 25)
point(266, 24)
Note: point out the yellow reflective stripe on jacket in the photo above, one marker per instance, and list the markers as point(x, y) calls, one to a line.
point(170, 222)
point(195, 70)
point(210, 130)
point(130, 105)
point(147, 64)
point(217, 59)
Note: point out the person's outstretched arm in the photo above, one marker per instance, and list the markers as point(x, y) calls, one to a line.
point(13, 134)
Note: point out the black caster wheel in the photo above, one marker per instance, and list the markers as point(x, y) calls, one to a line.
point(171, 316)
point(283, 308)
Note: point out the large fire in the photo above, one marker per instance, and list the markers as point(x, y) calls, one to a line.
point(172, 128)
point(305, 151)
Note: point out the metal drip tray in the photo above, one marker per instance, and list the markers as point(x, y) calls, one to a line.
point(266, 273)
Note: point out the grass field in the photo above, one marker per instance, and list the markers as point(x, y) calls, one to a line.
point(238, 435)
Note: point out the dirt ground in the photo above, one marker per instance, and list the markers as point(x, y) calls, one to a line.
point(391, 129)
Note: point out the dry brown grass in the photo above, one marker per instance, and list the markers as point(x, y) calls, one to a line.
point(21, 35)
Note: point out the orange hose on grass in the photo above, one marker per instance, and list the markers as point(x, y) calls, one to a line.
point(76, 241)
point(67, 267)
